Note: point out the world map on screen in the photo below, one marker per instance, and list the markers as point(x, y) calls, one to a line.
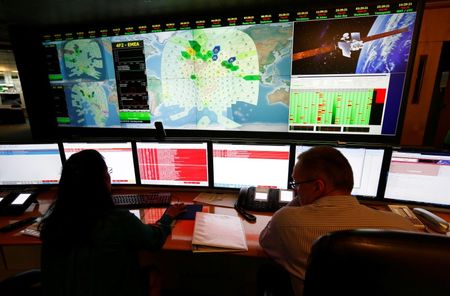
point(219, 78)
point(229, 78)
point(91, 90)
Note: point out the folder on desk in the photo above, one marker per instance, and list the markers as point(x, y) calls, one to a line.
point(218, 233)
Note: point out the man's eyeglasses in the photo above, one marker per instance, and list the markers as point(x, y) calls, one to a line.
point(294, 184)
point(110, 170)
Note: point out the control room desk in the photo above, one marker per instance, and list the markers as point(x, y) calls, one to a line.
point(180, 268)
point(198, 273)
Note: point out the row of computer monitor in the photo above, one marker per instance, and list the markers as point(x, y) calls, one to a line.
point(413, 176)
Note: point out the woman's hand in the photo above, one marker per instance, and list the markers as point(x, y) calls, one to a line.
point(175, 210)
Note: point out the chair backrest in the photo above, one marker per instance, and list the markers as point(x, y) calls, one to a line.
point(26, 283)
point(447, 139)
point(379, 262)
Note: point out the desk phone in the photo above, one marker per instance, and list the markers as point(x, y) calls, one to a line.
point(263, 200)
point(422, 218)
point(16, 203)
point(405, 212)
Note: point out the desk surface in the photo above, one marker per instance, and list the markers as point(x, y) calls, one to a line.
point(181, 237)
point(179, 240)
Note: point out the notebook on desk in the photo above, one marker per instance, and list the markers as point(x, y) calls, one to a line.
point(218, 233)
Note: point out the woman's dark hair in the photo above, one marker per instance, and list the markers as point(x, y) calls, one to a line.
point(83, 197)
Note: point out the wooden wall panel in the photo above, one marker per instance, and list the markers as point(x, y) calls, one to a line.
point(435, 29)
point(417, 114)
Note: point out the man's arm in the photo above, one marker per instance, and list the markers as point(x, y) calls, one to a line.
point(269, 240)
point(281, 242)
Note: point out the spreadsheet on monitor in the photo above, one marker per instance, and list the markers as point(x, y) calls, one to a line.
point(181, 164)
point(366, 166)
point(118, 158)
point(419, 177)
point(30, 164)
point(237, 165)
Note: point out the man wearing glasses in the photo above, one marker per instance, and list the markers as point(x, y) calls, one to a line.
point(323, 181)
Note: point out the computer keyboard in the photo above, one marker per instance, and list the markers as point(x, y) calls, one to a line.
point(145, 200)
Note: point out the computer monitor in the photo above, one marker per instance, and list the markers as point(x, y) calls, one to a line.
point(366, 165)
point(30, 164)
point(419, 176)
point(339, 71)
point(181, 164)
point(260, 165)
point(118, 158)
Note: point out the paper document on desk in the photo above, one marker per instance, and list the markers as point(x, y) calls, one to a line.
point(218, 233)
point(217, 199)
point(32, 230)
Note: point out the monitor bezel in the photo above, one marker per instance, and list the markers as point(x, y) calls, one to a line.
point(103, 141)
point(258, 142)
point(425, 150)
point(32, 186)
point(176, 142)
point(373, 146)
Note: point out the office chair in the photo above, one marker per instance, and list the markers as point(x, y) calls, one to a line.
point(25, 283)
point(379, 262)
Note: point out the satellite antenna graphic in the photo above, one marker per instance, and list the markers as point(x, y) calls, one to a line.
point(350, 43)
point(347, 44)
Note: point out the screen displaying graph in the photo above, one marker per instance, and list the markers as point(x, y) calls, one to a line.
point(337, 106)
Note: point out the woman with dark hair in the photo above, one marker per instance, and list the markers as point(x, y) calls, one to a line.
point(88, 246)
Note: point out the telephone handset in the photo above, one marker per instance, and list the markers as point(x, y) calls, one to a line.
point(267, 200)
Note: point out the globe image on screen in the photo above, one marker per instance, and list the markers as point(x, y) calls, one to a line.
point(388, 54)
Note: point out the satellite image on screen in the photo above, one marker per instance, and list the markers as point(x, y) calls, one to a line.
point(376, 44)
point(89, 83)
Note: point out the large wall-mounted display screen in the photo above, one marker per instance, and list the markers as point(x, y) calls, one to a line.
point(331, 71)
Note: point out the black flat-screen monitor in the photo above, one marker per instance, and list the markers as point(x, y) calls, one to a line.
point(259, 165)
point(180, 164)
point(118, 158)
point(334, 73)
point(30, 164)
point(419, 177)
point(366, 165)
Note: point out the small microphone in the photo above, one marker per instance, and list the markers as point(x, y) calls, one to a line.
point(160, 132)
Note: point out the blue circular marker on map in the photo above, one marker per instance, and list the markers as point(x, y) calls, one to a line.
point(231, 60)
point(215, 57)
point(216, 49)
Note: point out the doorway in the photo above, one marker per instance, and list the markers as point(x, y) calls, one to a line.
point(438, 123)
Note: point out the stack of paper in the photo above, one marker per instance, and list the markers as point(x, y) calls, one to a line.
point(218, 233)
point(217, 199)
